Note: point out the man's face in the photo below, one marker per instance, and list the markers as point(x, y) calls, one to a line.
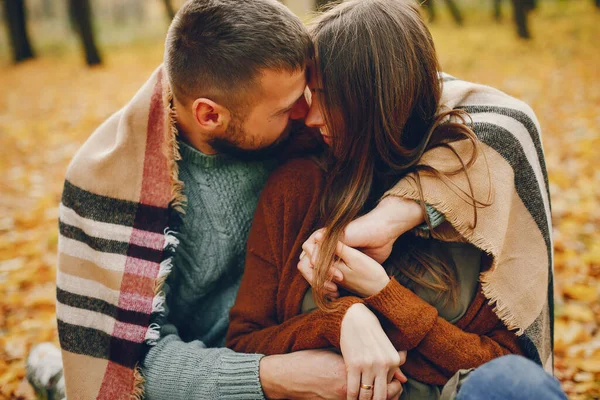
point(278, 99)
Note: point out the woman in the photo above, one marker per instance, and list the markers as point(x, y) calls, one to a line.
point(376, 95)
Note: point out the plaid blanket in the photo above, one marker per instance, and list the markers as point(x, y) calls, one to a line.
point(516, 230)
point(114, 245)
point(122, 195)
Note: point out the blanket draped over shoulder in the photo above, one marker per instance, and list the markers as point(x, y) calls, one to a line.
point(122, 194)
point(515, 230)
point(114, 245)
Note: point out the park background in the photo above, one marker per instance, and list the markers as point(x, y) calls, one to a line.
point(50, 104)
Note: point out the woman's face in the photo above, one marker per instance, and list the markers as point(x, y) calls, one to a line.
point(315, 118)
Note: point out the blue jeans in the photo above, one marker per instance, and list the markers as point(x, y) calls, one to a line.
point(510, 378)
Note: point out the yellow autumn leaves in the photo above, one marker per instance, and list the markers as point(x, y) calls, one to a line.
point(49, 106)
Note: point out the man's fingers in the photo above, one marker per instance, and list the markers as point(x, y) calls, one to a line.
point(394, 390)
point(402, 355)
point(399, 375)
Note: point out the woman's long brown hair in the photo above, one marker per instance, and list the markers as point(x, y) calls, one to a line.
point(377, 67)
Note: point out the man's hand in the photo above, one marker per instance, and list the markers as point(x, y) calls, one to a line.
point(310, 374)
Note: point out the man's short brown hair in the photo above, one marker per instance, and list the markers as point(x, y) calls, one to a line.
point(217, 48)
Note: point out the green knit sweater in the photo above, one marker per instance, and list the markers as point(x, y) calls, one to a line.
point(189, 361)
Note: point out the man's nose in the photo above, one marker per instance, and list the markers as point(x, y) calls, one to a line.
point(300, 109)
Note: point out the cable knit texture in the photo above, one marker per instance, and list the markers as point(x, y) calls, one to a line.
point(188, 362)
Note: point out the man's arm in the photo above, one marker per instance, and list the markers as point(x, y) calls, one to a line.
point(174, 369)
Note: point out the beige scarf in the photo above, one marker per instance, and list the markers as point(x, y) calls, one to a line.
point(516, 229)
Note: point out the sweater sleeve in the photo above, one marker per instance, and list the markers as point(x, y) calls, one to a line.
point(254, 324)
point(174, 369)
point(436, 344)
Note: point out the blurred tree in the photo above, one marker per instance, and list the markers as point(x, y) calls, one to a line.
point(498, 10)
point(170, 9)
point(520, 10)
point(456, 14)
point(81, 16)
point(597, 3)
point(16, 22)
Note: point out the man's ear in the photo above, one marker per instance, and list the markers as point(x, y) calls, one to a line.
point(210, 116)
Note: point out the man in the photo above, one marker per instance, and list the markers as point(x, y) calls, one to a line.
point(156, 210)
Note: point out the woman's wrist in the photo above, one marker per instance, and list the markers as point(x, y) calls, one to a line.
point(378, 286)
point(401, 214)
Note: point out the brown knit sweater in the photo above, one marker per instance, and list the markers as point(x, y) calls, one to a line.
point(267, 318)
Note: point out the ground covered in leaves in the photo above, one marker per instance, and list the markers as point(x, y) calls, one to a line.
point(49, 106)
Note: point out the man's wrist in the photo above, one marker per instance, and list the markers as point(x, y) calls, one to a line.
point(269, 371)
point(402, 214)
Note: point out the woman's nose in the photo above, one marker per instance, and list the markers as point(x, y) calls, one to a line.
point(314, 118)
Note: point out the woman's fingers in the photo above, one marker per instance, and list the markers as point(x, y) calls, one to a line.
point(380, 386)
point(306, 269)
point(350, 255)
point(367, 379)
point(353, 384)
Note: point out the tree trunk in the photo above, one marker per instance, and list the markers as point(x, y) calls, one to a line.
point(170, 9)
point(530, 5)
point(80, 11)
point(430, 9)
point(597, 3)
point(16, 22)
point(455, 12)
point(498, 10)
point(520, 15)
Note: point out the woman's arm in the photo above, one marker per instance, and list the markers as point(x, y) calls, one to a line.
point(412, 324)
point(255, 326)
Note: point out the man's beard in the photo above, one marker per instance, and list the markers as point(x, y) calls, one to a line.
point(231, 144)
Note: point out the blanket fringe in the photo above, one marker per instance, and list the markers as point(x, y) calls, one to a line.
point(465, 230)
point(178, 199)
point(138, 383)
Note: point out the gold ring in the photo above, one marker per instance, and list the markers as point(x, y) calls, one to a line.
point(366, 387)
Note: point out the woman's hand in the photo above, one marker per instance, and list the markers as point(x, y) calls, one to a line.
point(371, 359)
point(358, 273)
point(375, 232)
point(355, 271)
